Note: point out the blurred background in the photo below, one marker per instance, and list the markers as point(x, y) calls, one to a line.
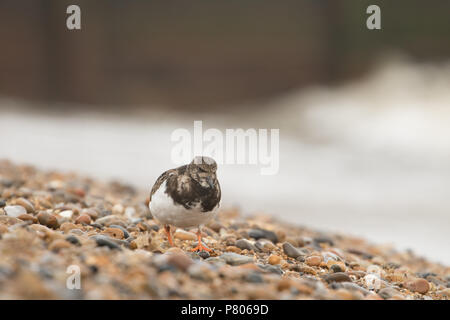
point(364, 115)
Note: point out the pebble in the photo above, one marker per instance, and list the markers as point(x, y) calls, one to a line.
point(83, 219)
point(245, 244)
point(184, 235)
point(108, 220)
point(388, 292)
point(254, 277)
point(66, 214)
point(336, 268)
point(276, 269)
point(233, 249)
point(180, 260)
point(2, 203)
point(126, 235)
point(26, 204)
point(265, 245)
point(113, 233)
point(3, 229)
point(73, 240)
point(203, 254)
point(235, 259)
point(291, 251)
point(274, 259)
point(313, 261)
point(67, 226)
point(15, 211)
point(27, 217)
point(263, 234)
point(48, 220)
point(91, 212)
point(324, 239)
point(59, 244)
point(118, 209)
point(337, 277)
point(418, 285)
point(102, 240)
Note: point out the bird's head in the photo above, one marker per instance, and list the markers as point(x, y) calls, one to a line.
point(203, 170)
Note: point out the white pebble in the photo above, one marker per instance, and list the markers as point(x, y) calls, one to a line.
point(15, 211)
point(66, 213)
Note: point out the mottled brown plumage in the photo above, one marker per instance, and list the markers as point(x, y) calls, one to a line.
point(186, 196)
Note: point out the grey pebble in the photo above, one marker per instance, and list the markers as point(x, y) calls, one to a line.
point(73, 240)
point(337, 277)
point(263, 234)
point(245, 244)
point(106, 241)
point(270, 268)
point(292, 251)
point(235, 259)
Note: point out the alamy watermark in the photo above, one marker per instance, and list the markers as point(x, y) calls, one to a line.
point(74, 280)
point(373, 277)
point(235, 146)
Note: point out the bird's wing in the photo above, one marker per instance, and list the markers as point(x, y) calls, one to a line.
point(160, 180)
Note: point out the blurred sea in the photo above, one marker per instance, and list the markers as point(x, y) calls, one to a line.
point(368, 158)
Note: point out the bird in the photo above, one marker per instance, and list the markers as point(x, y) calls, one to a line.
point(186, 197)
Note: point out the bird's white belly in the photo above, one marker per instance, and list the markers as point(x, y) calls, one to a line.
point(164, 209)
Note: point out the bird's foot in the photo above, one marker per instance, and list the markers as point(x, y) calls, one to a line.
point(200, 247)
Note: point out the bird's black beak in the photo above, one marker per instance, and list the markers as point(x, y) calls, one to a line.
point(210, 182)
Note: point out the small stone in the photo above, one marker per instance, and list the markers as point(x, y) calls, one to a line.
point(324, 239)
point(91, 212)
point(180, 261)
point(125, 232)
point(2, 203)
point(314, 261)
point(245, 244)
point(274, 259)
point(235, 259)
point(102, 240)
point(27, 217)
point(3, 229)
point(108, 220)
point(291, 251)
point(73, 240)
point(336, 268)
point(418, 285)
point(204, 254)
point(184, 235)
point(67, 226)
point(233, 249)
point(337, 277)
point(271, 268)
point(48, 220)
point(58, 245)
point(15, 211)
point(388, 292)
point(263, 234)
point(26, 204)
point(373, 296)
point(265, 245)
point(83, 219)
point(66, 214)
point(118, 209)
point(115, 233)
point(254, 277)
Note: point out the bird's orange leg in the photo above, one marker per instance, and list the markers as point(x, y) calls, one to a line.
point(200, 246)
point(169, 236)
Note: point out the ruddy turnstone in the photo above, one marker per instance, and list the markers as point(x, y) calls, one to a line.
point(187, 196)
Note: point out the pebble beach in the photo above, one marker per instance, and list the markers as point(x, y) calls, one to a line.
point(52, 222)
